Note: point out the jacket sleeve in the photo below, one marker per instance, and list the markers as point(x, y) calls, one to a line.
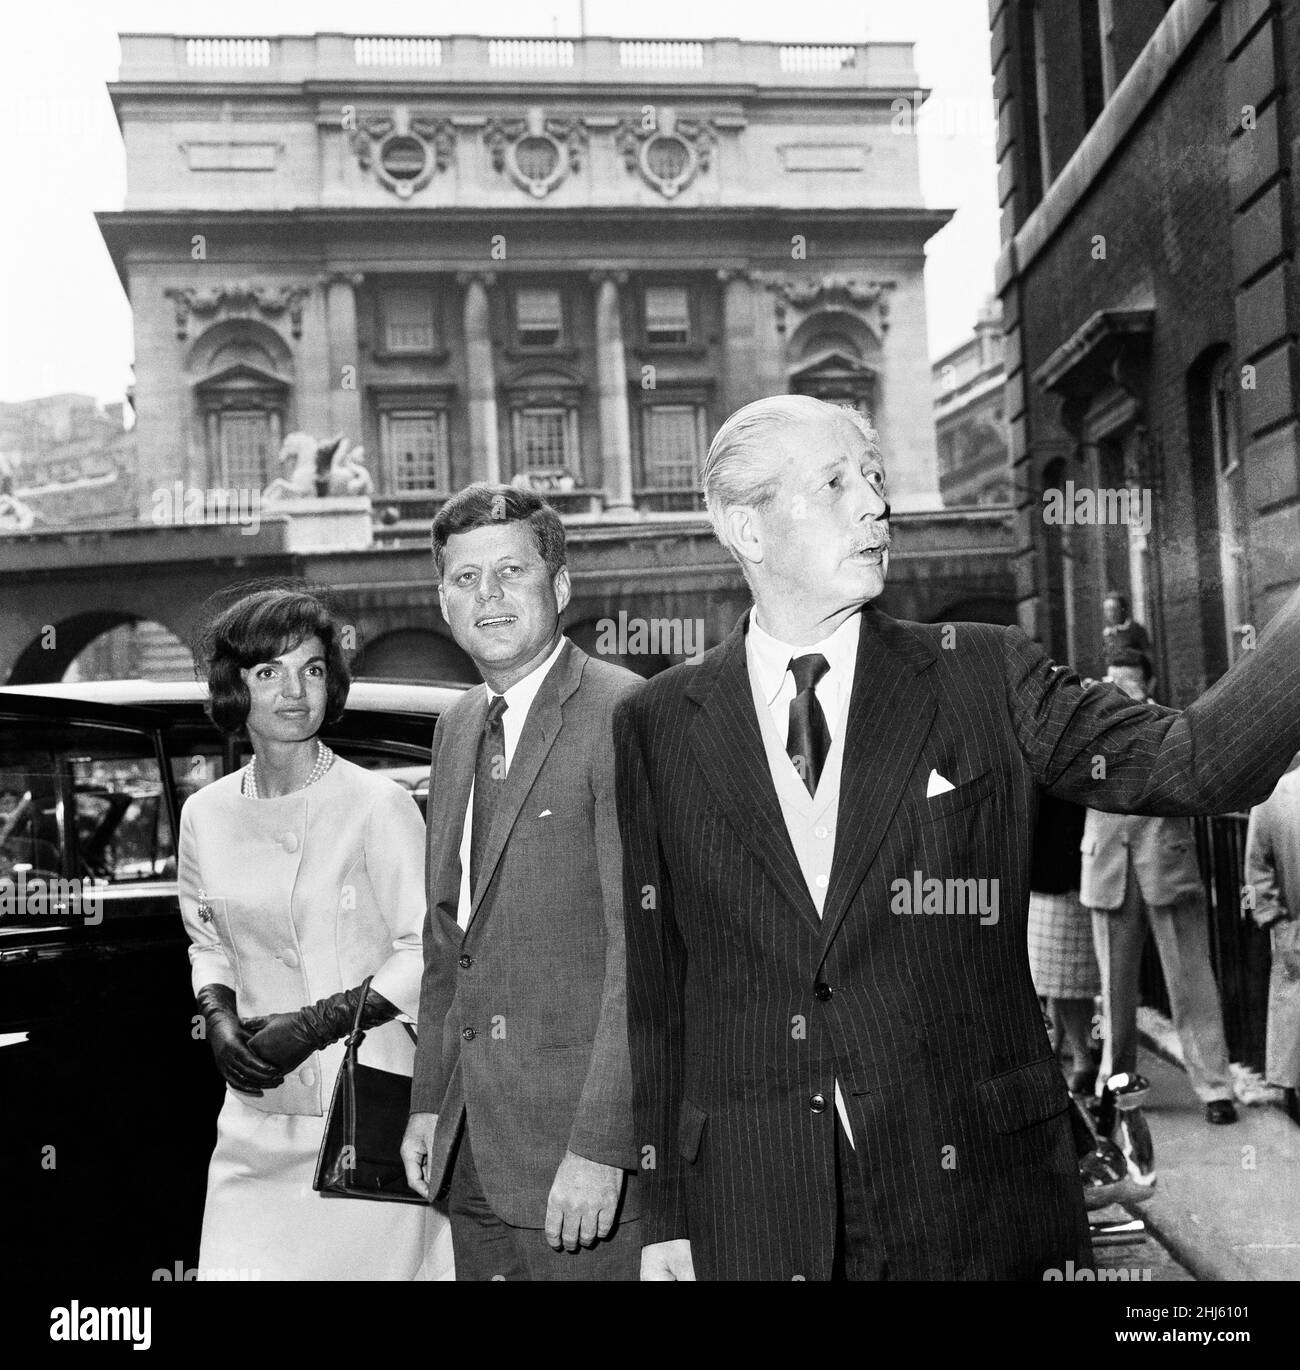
point(1099, 748)
point(603, 1129)
point(394, 847)
point(427, 1085)
point(656, 980)
point(210, 962)
point(1261, 869)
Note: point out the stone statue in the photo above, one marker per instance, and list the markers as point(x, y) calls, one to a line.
point(15, 516)
point(319, 469)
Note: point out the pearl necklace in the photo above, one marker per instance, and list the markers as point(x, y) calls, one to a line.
point(324, 759)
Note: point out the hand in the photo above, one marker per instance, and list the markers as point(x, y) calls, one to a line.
point(417, 1145)
point(281, 1039)
point(240, 1066)
point(667, 1261)
point(582, 1203)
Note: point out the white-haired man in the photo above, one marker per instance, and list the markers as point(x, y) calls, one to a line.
point(840, 1068)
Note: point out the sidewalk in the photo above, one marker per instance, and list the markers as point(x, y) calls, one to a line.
point(1227, 1201)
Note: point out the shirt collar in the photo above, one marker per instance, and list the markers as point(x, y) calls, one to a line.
point(519, 697)
point(770, 657)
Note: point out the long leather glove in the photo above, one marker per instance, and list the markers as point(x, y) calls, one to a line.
point(240, 1066)
point(287, 1039)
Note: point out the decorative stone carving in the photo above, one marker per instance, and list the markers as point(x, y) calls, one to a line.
point(404, 150)
point(237, 299)
point(665, 151)
point(868, 299)
point(318, 469)
point(537, 153)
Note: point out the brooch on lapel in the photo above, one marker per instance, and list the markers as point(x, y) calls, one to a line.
point(205, 908)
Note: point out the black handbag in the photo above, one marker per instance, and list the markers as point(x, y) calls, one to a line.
point(360, 1153)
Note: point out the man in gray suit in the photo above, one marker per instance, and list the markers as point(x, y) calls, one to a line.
point(1139, 870)
point(521, 1107)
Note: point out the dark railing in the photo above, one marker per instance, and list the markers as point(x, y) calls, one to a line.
point(1239, 950)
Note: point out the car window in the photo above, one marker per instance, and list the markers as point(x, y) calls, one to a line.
point(80, 803)
point(196, 754)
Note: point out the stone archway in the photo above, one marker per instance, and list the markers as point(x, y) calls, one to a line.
point(47, 656)
point(416, 654)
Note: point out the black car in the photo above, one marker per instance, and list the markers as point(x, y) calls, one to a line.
point(108, 1090)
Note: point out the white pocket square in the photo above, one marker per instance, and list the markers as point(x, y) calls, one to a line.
point(938, 785)
point(545, 813)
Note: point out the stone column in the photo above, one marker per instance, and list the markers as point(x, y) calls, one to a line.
point(769, 336)
point(611, 393)
point(345, 414)
point(740, 368)
point(484, 448)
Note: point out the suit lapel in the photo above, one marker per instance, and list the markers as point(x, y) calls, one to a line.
point(541, 729)
point(457, 753)
point(727, 739)
point(891, 711)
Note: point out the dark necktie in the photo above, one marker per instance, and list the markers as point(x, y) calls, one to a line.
point(808, 740)
point(489, 776)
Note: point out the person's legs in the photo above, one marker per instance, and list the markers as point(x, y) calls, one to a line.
point(483, 1247)
point(1182, 940)
point(1118, 935)
point(1073, 1018)
point(1282, 1053)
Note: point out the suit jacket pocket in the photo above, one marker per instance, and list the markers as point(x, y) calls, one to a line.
point(954, 801)
point(1019, 1098)
point(690, 1130)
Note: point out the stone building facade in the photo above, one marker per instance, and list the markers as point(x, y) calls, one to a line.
point(551, 261)
point(970, 424)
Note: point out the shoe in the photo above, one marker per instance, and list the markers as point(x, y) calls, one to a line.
point(1221, 1111)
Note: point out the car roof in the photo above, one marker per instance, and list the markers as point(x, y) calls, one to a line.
point(367, 696)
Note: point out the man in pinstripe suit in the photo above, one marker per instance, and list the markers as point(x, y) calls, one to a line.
point(839, 1070)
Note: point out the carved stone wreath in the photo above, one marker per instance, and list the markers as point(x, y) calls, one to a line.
point(237, 299)
point(404, 150)
point(535, 152)
point(667, 152)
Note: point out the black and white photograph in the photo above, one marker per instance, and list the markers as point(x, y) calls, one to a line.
point(651, 643)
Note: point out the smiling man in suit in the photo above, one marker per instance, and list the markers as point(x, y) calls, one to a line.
point(521, 1096)
point(836, 1076)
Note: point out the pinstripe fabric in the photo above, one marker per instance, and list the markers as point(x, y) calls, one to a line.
point(932, 1026)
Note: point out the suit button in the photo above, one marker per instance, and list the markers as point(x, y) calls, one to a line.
point(817, 1103)
point(307, 1076)
point(822, 992)
point(289, 957)
point(468, 1034)
point(290, 840)
point(466, 962)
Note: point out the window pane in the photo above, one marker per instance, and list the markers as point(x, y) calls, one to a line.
point(671, 434)
point(416, 449)
point(408, 321)
point(245, 444)
point(543, 439)
point(82, 802)
point(667, 314)
point(538, 317)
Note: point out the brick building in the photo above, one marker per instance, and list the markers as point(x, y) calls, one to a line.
point(1149, 292)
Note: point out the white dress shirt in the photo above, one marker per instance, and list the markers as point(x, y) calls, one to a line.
point(519, 699)
point(810, 819)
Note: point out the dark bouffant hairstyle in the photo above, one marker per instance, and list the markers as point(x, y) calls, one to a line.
point(256, 627)
point(482, 504)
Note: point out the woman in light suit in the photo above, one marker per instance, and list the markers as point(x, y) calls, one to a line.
point(299, 876)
